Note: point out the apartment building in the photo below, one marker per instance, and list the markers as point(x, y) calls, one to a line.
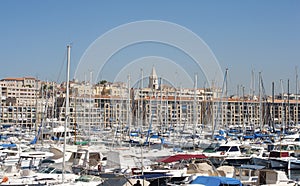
point(27, 101)
point(19, 101)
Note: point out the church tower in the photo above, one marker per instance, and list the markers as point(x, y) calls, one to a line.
point(153, 80)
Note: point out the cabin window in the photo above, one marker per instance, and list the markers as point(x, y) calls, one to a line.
point(245, 172)
point(254, 173)
point(47, 161)
point(94, 159)
point(223, 148)
point(234, 149)
point(57, 172)
point(291, 148)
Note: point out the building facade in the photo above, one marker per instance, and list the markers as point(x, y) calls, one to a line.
point(28, 102)
point(19, 99)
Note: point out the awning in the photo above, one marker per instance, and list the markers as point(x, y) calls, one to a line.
point(179, 157)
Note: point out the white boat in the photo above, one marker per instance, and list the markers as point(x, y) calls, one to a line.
point(228, 149)
point(88, 160)
point(84, 180)
point(248, 153)
point(32, 160)
point(59, 154)
point(258, 175)
point(47, 176)
point(25, 160)
point(248, 174)
point(283, 160)
point(10, 153)
point(274, 178)
point(279, 157)
point(225, 150)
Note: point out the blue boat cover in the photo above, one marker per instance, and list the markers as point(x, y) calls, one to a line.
point(260, 135)
point(222, 132)
point(248, 137)
point(8, 145)
point(215, 181)
point(36, 137)
point(219, 137)
point(134, 134)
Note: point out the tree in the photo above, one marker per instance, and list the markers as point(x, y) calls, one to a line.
point(102, 82)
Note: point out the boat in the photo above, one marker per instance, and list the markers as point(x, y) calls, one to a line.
point(279, 159)
point(248, 174)
point(10, 153)
point(51, 175)
point(214, 181)
point(225, 150)
point(88, 180)
point(123, 160)
point(259, 175)
point(282, 160)
point(274, 177)
point(88, 160)
point(32, 160)
point(248, 153)
point(280, 155)
point(178, 169)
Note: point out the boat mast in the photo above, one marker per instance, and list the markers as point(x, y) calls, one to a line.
point(84, 103)
point(273, 109)
point(90, 106)
point(219, 108)
point(282, 105)
point(260, 103)
point(252, 89)
point(297, 109)
point(287, 123)
point(243, 109)
point(162, 127)
point(128, 105)
point(195, 111)
point(66, 111)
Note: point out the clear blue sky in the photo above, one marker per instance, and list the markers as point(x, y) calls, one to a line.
point(244, 35)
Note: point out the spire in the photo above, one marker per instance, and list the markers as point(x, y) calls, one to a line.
point(153, 80)
point(153, 73)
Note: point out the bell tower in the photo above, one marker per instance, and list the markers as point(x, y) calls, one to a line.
point(153, 80)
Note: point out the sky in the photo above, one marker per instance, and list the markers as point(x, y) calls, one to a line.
point(244, 36)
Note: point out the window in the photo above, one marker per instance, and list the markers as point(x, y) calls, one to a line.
point(223, 148)
point(234, 149)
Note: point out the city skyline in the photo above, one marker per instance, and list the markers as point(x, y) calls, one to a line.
point(244, 36)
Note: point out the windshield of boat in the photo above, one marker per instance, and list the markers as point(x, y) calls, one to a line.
point(212, 147)
point(51, 170)
point(223, 148)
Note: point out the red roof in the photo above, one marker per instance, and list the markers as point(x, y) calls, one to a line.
point(178, 157)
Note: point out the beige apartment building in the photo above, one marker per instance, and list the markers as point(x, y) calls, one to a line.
point(115, 105)
point(19, 99)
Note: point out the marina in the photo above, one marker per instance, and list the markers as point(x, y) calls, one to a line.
point(149, 93)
